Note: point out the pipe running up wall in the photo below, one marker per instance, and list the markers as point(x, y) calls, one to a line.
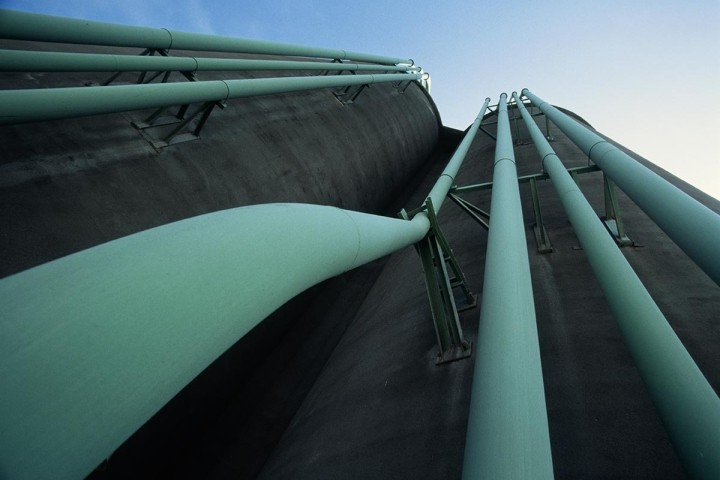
point(507, 436)
point(31, 61)
point(47, 28)
point(22, 106)
point(691, 225)
point(686, 402)
point(447, 177)
point(93, 344)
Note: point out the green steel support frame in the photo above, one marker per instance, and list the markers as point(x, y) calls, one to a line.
point(686, 402)
point(435, 252)
point(21, 106)
point(690, 224)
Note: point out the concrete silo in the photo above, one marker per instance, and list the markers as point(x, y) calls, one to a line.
point(141, 253)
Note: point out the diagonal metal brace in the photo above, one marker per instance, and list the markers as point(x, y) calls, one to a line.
point(477, 214)
point(436, 255)
point(541, 236)
point(612, 219)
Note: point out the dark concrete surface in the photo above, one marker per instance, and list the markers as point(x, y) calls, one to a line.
point(341, 382)
point(376, 411)
point(70, 184)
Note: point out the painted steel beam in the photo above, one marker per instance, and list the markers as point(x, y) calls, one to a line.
point(47, 28)
point(32, 61)
point(21, 106)
point(93, 344)
point(687, 404)
point(691, 225)
point(507, 435)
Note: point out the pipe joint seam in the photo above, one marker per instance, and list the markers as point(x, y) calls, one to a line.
point(504, 158)
point(446, 175)
point(595, 145)
point(357, 232)
point(227, 87)
point(542, 162)
point(170, 38)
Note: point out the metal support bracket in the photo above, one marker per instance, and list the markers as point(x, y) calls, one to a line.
point(482, 129)
point(612, 220)
point(477, 214)
point(541, 236)
point(337, 72)
point(399, 85)
point(142, 77)
point(347, 95)
point(436, 256)
point(183, 120)
point(548, 135)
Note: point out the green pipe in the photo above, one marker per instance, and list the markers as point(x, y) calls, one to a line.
point(47, 28)
point(29, 61)
point(507, 436)
point(445, 182)
point(690, 224)
point(686, 402)
point(21, 106)
point(93, 344)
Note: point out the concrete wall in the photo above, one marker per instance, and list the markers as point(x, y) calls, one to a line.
point(70, 184)
point(341, 382)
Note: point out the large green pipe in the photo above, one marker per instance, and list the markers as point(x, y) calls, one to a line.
point(692, 226)
point(29, 61)
point(445, 181)
point(93, 344)
point(20, 106)
point(686, 402)
point(46, 28)
point(507, 436)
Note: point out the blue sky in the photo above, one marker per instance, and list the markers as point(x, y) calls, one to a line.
point(644, 73)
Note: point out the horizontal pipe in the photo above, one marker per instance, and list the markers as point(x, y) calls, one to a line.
point(507, 434)
point(95, 343)
point(30, 61)
point(445, 181)
point(47, 28)
point(21, 106)
point(690, 224)
point(686, 402)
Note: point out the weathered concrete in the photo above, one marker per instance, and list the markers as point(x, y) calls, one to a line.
point(602, 422)
point(341, 382)
point(86, 181)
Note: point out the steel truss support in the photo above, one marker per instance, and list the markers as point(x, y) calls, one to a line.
point(541, 236)
point(350, 93)
point(685, 401)
point(176, 135)
point(649, 191)
point(477, 214)
point(149, 52)
point(612, 220)
point(436, 256)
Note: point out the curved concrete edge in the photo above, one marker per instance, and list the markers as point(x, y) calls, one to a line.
point(93, 344)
